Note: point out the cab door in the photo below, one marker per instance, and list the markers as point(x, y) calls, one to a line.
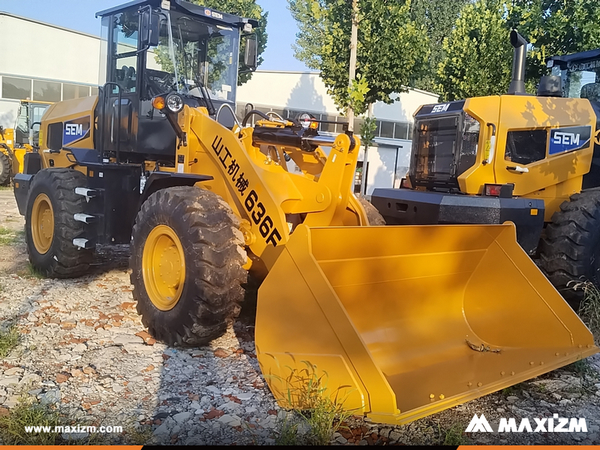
point(120, 116)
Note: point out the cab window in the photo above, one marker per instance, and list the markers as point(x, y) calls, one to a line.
point(526, 146)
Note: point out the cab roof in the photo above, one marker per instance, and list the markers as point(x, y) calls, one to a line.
point(563, 60)
point(187, 8)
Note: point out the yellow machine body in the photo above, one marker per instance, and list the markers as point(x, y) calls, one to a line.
point(553, 179)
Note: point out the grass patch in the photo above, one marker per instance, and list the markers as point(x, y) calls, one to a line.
point(8, 340)
point(30, 272)
point(316, 414)
point(27, 413)
point(9, 237)
point(5, 188)
point(589, 309)
point(455, 435)
point(513, 390)
point(137, 436)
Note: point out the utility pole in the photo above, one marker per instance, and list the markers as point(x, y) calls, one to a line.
point(353, 45)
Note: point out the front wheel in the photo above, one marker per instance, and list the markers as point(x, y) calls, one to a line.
point(570, 251)
point(186, 259)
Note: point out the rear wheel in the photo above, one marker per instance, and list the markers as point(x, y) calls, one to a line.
point(570, 251)
point(186, 258)
point(50, 224)
point(4, 168)
point(373, 215)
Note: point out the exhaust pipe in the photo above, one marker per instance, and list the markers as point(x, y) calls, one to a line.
point(517, 84)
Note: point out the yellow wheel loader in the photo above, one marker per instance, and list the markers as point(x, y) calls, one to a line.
point(18, 134)
point(531, 160)
point(400, 322)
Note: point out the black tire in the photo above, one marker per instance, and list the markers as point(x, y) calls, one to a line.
point(213, 252)
point(373, 215)
point(5, 168)
point(62, 259)
point(570, 250)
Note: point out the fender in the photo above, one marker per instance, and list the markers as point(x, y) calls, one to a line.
point(162, 180)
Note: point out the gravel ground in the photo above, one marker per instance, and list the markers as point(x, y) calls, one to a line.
point(83, 348)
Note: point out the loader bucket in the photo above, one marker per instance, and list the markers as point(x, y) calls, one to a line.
point(400, 322)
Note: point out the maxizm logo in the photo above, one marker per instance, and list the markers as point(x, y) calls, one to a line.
point(554, 424)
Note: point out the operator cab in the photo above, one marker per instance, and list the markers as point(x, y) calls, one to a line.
point(580, 74)
point(159, 47)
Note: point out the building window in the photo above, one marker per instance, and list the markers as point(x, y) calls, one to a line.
point(401, 130)
point(46, 91)
point(71, 91)
point(328, 127)
point(387, 129)
point(17, 88)
point(94, 90)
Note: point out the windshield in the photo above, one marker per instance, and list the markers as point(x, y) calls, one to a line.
point(192, 54)
point(442, 151)
point(580, 79)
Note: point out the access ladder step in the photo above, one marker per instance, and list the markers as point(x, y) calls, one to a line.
point(85, 218)
point(83, 243)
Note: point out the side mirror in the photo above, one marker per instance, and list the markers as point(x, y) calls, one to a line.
point(251, 53)
point(149, 28)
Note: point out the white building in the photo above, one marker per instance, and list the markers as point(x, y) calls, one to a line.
point(292, 93)
point(49, 63)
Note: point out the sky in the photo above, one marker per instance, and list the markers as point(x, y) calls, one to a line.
point(80, 15)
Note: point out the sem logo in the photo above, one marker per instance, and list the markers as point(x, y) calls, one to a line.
point(74, 129)
point(568, 139)
point(554, 424)
point(440, 108)
point(214, 14)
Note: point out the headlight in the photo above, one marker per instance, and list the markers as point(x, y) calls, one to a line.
point(174, 103)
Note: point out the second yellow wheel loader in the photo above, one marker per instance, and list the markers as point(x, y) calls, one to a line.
point(404, 321)
point(17, 134)
point(531, 160)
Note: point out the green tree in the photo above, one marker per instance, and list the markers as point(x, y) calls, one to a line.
point(243, 8)
point(438, 17)
point(478, 54)
point(554, 27)
point(391, 47)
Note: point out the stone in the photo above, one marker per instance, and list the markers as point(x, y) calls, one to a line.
point(161, 430)
point(341, 439)
point(394, 436)
point(231, 420)
point(79, 348)
point(9, 380)
point(182, 417)
point(512, 399)
point(245, 396)
point(221, 353)
point(123, 339)
point(13, 371)
point(213, 389)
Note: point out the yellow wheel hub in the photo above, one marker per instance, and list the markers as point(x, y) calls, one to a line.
point(42, 223)
point(163, 267)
